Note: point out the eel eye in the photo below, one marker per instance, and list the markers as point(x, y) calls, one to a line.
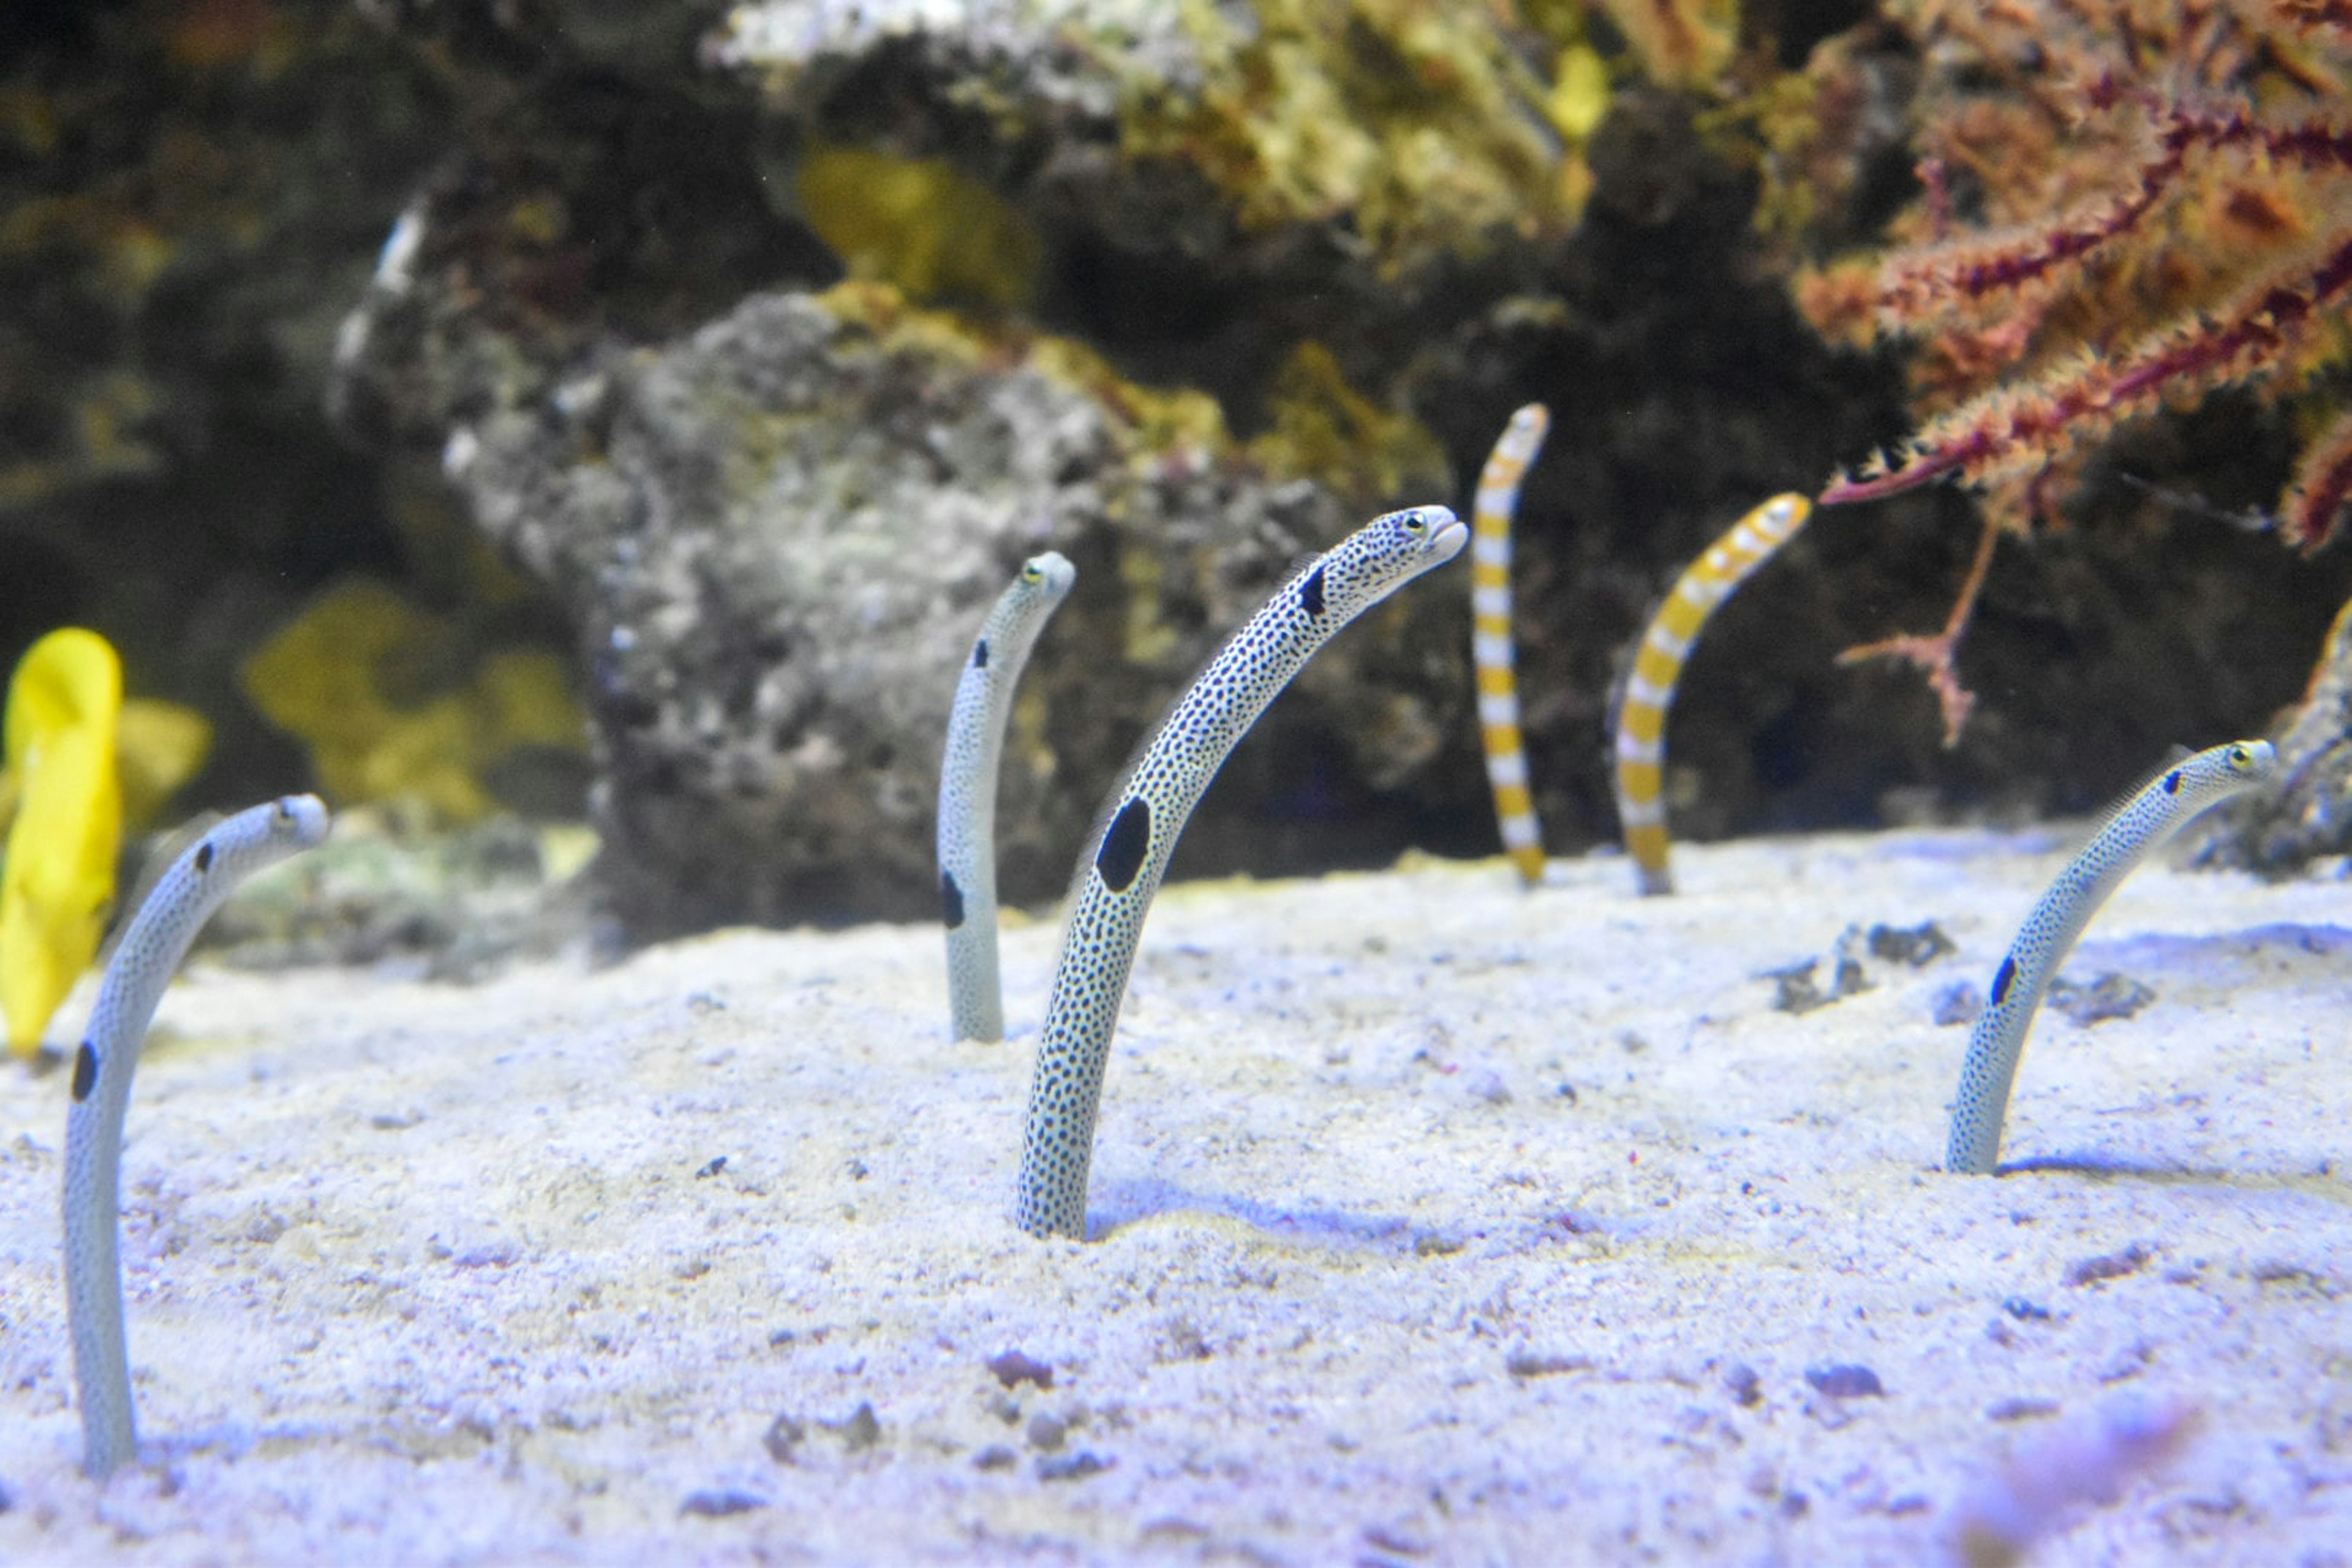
point(2241, 758)
point(1415, 523)
point(1030, 574)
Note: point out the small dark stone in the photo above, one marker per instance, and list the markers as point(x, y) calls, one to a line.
point(2112, 1265)
point(1958, 1003)
point(718, 1164)
point(1523, 1363)
point(2108, 996)
point(2278, 1272)
point(1046, 1431)
point(995, 1456)
point(1404, 1545)
point(1012, 1369)
point(1846, 1381)
point(718, 1504)
point(1793, 987)
point(784, 1438)
point(1185, 1342)
point(1075, 1467)
point(2022, 1410)
point(1916, 945)
point(1745, 1388)
point(2025, 1312)
point(859, 1432)
point(1796, 990)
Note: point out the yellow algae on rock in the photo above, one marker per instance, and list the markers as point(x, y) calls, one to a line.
point(1683, 44)
point(1321, 426)
point(158, 747)
point(920, 225)
point(362, 678)
point(57, 885)
point(1414, 119)
point(1326, 430)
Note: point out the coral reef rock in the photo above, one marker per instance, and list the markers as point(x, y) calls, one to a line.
point(777, 536)
point(2276, 832)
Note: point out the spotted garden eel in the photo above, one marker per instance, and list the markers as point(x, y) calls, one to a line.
point(1128, 853)
point(2137, 826)
point(1658, 664)
point(150, 949)
point(983, 702)
point(1496, 503)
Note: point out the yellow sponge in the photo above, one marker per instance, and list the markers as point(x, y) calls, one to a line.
point(57, 885)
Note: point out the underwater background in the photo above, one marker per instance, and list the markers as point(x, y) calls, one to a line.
point(585, 442)
point(622, 413)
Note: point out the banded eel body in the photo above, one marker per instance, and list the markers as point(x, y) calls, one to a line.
point(1496, 504)
point(1658, 663)
point(983, 703)
point(2137, 826)
point(150, 949)
point(1128, 853)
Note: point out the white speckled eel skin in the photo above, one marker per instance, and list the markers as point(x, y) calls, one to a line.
point(151, 949)
point(2137, 826)
point(1127, 853)
point(983, 702)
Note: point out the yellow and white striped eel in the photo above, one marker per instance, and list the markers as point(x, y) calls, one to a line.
point(1658, 663)
point(1127, 852)
point(2042, 943)
point(968, 769)
point(1496, 503)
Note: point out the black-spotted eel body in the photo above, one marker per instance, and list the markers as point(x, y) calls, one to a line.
point(1658, 664)
point(151, 949)
point(1128, 853)
point(983, 704)
point(1496, 503)
point(2137, 827)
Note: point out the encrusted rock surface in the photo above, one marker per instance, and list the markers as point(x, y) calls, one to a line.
point(2277, 832)
point(778, 536)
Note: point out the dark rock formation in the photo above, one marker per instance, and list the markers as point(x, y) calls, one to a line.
point(777, 536)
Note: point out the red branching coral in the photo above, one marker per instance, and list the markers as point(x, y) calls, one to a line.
point(2158, 196)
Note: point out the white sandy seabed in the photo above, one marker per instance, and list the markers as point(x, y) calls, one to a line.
point(1432, 1222)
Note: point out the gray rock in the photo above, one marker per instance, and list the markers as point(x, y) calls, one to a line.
point(777, 536)
point(2278, 831)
